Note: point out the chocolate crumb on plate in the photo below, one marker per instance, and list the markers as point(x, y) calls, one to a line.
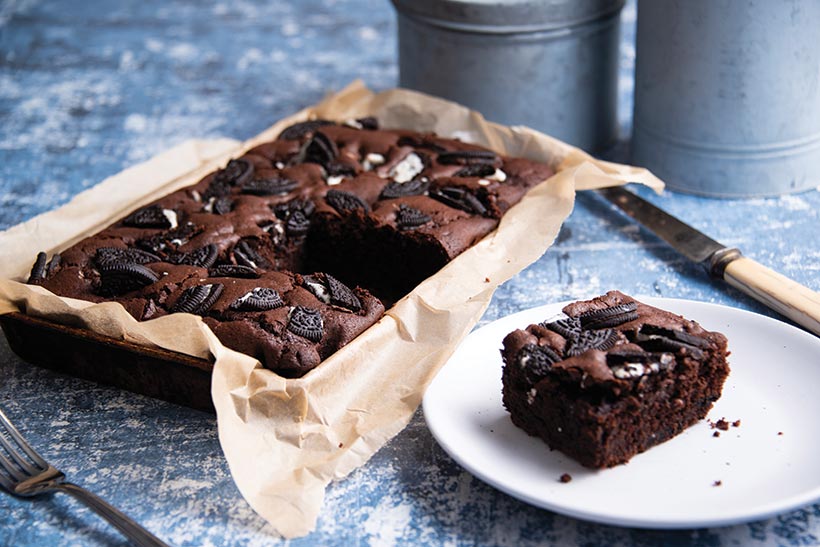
point(565, 478)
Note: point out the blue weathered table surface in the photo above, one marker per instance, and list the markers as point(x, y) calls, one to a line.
point(89, 88)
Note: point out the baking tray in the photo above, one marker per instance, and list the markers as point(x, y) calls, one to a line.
point(156, 372)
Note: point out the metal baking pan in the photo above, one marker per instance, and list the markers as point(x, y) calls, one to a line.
point(156, 372)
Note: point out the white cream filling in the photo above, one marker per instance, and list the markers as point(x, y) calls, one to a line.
point(407, 169)
point(334, 180)
point(319, 291)
point(171, 215)
point(499, 176)
point(372, 160)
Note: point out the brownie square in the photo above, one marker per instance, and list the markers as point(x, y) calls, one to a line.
point(611, 378)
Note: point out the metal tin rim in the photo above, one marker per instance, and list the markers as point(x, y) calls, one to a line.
point(508, 17)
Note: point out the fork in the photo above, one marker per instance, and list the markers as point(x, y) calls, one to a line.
point(25, 473)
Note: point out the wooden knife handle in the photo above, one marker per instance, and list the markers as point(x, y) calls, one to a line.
point(798, 303)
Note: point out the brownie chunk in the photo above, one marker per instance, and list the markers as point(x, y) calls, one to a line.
point(611, 378)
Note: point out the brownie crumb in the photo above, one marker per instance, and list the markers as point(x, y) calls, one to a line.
point(780, 433)
point(721, 424)
point(717, 483)
point(716, 434)
point(341, 445)
point(736, 423)
point(565, 478)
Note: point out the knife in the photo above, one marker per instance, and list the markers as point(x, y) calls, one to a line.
point(798, 303)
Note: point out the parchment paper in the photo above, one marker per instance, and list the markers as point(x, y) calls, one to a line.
point(286, 439)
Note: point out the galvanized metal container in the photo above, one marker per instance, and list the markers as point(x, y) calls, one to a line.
point(548, 64)
point(727, 95)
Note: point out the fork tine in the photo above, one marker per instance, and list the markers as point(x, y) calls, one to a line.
point(6, 483)
point(21, 462)
point(21, 442)
point(13, 471)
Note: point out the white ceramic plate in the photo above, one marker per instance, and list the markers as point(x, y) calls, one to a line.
point(767, 465)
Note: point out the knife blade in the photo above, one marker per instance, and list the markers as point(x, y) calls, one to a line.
point(787, 297)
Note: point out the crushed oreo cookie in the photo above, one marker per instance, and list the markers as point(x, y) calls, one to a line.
point(536, 361)
point(321, 149)
point(301, 129)
point(420, 141)
point(271, 186)
point(306, 322)
point(170, 239)
point(236, 173)
point(246, 255)
point(630, 364)
point(457, 157)
point(416, 187)
point(345, 202)
point(459, 198)
point(119, 278)
point(341, 295)
point(586, 340)
point(476, 170)
point(152, 216)
point(198, 299)
point(409, 218)
point(108, 255)
point(38, 269)
point(233, 270)
point(258, 299)
point(204, 257)
point(653, 338)
point(609, 317)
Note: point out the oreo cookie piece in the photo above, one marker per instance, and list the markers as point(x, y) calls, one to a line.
point(420, 141)
point(409, 218)
point(246, 255)
point(236, 173)
point(459, 198)
point(54, 264)
point(306, 322)
point(271, 186)
point(652, 338)
point(233, 270)
point(198, 299)
point(321, 149)
point(345, 202)
point(152, 216)
point(457, 157)
point(299, 130)
point(586, 340)
point(217, 188)
point(119, 278)
point(258, 299)
point(204, 257)
point(222, 205)
point(536, 362)
point(609, 317)
point(568, 327)
point(415, 187)
point(38, 269)
point(476, 170)
point(171, 239)
point(370, 123)
point(109, 255)
point(341, 295)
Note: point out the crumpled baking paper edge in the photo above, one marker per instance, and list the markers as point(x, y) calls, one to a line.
point(286, 439)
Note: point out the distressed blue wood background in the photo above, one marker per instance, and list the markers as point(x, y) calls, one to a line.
point(89, 88)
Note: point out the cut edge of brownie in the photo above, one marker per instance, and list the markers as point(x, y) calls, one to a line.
point(611, 378)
